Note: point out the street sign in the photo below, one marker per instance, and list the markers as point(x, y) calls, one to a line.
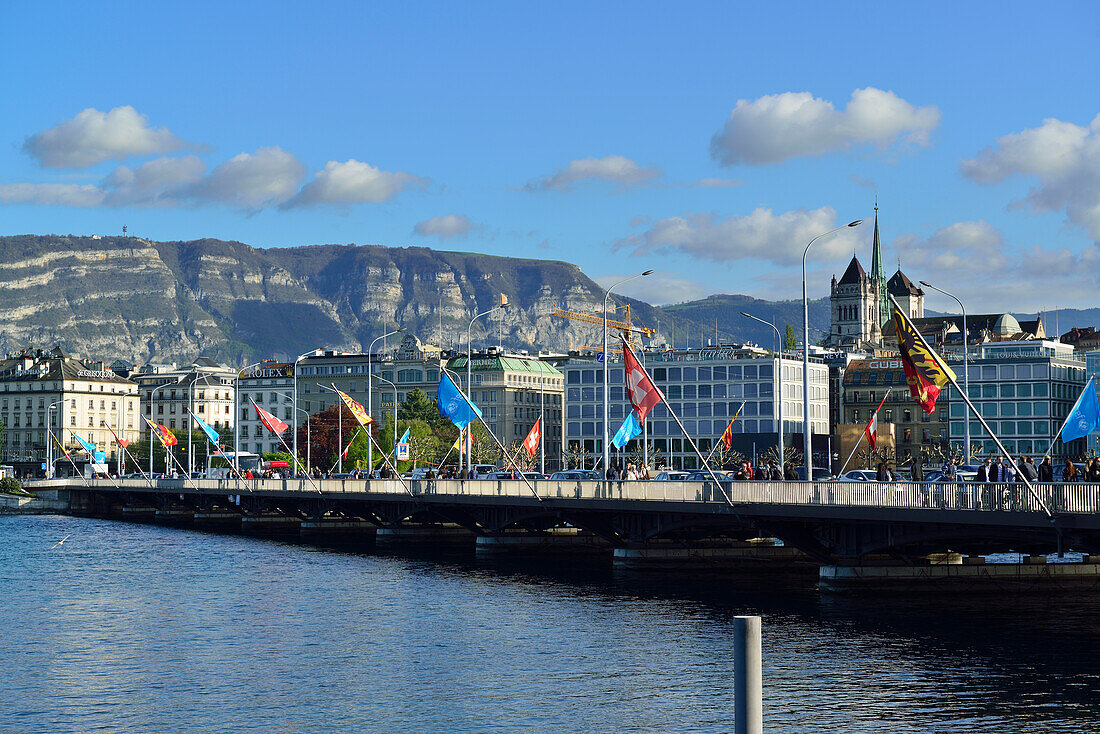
point(402, 452)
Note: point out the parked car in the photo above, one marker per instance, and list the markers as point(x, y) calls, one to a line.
point(703, 476)
point(821, 474)
point(482, 471)
point(670, 476)
point(573, 475)
point(857, 475)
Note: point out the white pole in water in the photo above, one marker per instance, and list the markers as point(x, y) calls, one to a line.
point(748, 712)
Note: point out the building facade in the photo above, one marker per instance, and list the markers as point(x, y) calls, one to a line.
point(203, 387)
point(1024, 390)
point(705, 387)
point(46, 397)
point(865, 383)
point(270, 385)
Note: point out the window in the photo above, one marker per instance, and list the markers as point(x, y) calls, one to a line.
point(907, 416)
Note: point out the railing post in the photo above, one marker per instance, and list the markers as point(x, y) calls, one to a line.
point(748, 712)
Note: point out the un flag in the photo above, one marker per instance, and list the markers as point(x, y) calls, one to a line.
point(1085, 416)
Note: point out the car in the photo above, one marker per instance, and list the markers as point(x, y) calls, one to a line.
point(821, 474)
point(703, 476)
point(482, 471)
point(581, 475)
point(858, 475)
point(671, 476)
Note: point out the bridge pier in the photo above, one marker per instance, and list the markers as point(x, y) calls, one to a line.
point(555, 541)
point(281, 525)
point(175, 516)
point(424, 535)
point(218, 519)
point(757, 554)
point(969, 573)
point(338, 529)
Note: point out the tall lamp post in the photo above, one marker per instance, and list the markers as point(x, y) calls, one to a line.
point(606, 390)
point(49, 446)
point(966, 363)
point(383, 379)
point(469, 362)
point(237, 414)
point(294, 378)
point(779, 397)
point(806, 354)
point(309, 442)
point(370, 405)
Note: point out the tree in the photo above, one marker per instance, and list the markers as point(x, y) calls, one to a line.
point(322, 435)
point(789, 341)
point(423, 444)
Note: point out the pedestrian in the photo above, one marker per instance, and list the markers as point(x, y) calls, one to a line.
point(882, 474)
point(631, 474)
point(1046, 470)
point(790, 473)
point(1027, 469)
point(1093, 476)
point(949, 470)
point(984, 471)
point(917, 471)
point(1069, 472)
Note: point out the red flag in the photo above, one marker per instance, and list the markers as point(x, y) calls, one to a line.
point(531, 443)
point(270, 422)
point(727, 435)
point(871, 431)
point(123, 442)
point(641, 390)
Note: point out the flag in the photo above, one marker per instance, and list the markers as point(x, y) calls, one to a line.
point(871, 431)
point(1085, 416)
point(464, 447)
point(503, 301)
point(270, 422)
point(211, 434)
point(643, 393)
point(925, 371)
point(454, 405)
point(167, 438)
point(531, 443)
point(122, 442)
point(628, 430)
point(404, 437)
point(88, 446)
point(356, 408)
point(727, 435)
point(63, 449)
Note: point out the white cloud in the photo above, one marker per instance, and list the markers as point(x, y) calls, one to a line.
point(83, 195)
point(657, 289)
point(159, 182)
point(251, 180)
point(93, 137)
point(718, 183)
point(1062, 156)
point(776, 127)
point(612, 168)
point(353, 182)
point(449, 225)
point(975, 262)
point(761, 235)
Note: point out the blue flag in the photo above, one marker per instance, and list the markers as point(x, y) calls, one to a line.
point(1085, 416)
point(454, 405)
point(89, 447)
point(405, 437)
point(628, 430)
point(210, 432)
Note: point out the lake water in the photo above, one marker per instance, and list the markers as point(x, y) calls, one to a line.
point(139, 628)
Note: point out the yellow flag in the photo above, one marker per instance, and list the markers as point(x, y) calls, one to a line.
point(356, 409)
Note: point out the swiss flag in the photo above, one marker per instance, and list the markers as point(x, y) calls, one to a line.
point(641, 390)
point(531, 443)
point(272, 423)
point(871, 431)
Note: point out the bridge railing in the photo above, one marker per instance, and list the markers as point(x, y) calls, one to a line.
point(973, 496)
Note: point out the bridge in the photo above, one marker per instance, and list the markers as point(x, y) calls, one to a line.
point(854, 531)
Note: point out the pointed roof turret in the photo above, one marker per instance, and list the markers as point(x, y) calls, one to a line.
point(854, 275)
point(878, 275)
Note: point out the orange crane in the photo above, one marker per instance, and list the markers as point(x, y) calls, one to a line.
point(623, 326)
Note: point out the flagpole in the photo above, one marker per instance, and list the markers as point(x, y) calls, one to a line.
point(282, 440)
point(728, 426)
point(217, 447)
point(503, 451)
point(126, 452)
point(167, 454)
point(68, 456)
point(977, 414)
point(860, 439)
point(676, 418)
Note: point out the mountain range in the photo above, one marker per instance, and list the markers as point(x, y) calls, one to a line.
point(139, 300)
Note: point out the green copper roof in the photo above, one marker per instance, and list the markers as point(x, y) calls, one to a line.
point(505, 364)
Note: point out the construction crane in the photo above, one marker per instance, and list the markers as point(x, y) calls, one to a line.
point(628, 330)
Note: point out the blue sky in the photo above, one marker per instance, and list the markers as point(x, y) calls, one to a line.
point(708, 141)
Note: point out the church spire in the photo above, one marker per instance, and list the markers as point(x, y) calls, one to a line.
point(878, 277)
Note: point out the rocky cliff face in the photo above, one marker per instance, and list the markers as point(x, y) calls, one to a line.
point(129, 298)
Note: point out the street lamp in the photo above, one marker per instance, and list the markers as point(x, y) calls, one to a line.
point(806, 354)
point(966, 363)
point(237, 415)
point(49, 446)
point(469, 378)
point(383, 379)
point(309, 443)
point(606, 391)
point(370, 377)
point(779, 397)
point(299, 358)
point(153, 392)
